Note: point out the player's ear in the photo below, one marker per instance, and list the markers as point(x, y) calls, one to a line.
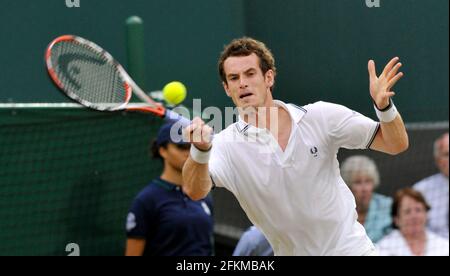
point(163, 152)
point(227, 90)
point(270, 78)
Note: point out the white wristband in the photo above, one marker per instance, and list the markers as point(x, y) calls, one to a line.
point(201, 157)
point(388, 114)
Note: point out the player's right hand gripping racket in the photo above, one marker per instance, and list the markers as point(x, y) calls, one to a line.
point(90, 76)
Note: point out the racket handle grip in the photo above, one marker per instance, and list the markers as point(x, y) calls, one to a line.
point(173, 116)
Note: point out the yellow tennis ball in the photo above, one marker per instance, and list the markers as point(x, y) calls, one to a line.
point(174, 92)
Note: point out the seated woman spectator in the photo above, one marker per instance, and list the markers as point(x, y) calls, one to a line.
point(409, 212)
point(361, 175)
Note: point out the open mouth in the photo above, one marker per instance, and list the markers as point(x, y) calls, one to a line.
point(245, 95)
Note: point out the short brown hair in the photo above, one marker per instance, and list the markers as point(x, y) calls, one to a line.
point(246, 46)
point(407, 192)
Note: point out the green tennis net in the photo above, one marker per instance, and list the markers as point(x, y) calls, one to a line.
point(68, 175)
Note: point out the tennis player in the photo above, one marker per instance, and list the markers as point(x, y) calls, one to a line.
point(283, 169)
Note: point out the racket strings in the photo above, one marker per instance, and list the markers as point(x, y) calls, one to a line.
point(88, 75)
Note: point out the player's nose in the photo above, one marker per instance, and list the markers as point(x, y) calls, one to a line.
point(243, 83)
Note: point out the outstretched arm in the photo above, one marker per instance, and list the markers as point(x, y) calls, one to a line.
point(196, 180)
point(391, 137)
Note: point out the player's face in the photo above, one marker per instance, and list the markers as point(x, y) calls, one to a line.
point(442, 159)
point(176, 155)
point(412, 217)
point(362, 188)
point(246, 84)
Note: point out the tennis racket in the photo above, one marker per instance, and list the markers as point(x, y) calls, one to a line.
point(89, 75)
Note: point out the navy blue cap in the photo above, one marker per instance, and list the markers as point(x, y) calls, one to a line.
point(170, 132)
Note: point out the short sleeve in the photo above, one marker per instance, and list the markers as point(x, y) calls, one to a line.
point(348, 129)
point(219, 164)
point(139, 219)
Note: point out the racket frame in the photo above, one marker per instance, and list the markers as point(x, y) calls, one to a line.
point(129, 85)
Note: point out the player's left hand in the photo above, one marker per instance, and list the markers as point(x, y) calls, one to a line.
point(380, 87)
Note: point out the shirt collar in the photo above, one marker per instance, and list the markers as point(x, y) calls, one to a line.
point(165, 185)
point(296, 113)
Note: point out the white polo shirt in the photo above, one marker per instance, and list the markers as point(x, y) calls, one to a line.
point(297, 198)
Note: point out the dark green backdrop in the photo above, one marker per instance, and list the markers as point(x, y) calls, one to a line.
point(70, 175)
point(321, 46)
point(183, 39)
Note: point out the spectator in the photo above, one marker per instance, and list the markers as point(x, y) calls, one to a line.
point(361, 175)
point(162, 220)
point(435, 189)
point(409, 212)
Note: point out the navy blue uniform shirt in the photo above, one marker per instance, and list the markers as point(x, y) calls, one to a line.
point(170, 222)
